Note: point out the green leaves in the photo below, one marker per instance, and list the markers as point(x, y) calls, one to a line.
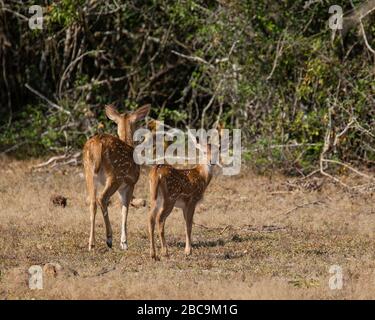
point(65, 12)
point(267, 67)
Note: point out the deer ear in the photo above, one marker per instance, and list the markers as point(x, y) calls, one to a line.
point(140, 113)
point(112, 113)
point(220, 127)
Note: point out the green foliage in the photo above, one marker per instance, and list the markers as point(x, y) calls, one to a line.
point(269, 67)
point(65, 12)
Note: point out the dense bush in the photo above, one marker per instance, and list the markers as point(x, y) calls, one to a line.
point(271, 68)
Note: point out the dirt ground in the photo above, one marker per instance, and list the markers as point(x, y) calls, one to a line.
point(255, 237)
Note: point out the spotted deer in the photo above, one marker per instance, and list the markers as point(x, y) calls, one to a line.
point(109, 161)
point(181, 188)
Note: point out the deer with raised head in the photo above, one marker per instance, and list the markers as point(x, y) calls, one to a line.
point(181, 188)
point(109, 160)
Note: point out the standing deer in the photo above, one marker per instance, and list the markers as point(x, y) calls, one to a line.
point(181, 188)
point(109, 160)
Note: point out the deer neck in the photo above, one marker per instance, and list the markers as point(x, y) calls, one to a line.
point(206, 172)
point(126, 135)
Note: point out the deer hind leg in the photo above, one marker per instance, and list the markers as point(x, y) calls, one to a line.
point(109, 189)
point(126, 195)
point(188, 215)
point(91, 190)
point(151, 228)
point(156, 208)
point(160, 218)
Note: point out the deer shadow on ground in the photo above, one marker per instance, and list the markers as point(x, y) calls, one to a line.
point(178, 243)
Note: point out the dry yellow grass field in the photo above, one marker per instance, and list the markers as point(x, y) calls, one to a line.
point(253, 238)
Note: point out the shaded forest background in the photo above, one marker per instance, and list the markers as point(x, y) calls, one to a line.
point(274, 69)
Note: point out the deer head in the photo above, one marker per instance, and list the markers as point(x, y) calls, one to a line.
point(126, 121)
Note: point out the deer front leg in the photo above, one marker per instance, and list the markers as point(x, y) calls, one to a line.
point(188, 215)
point(91, 190)
point(92, 221)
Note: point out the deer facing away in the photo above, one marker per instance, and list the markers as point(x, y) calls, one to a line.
point(181, 188)
point(109, 160)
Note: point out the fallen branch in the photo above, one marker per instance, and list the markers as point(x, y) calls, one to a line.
point(54, 161)
point(246, 227)
point(302, 206)
point(349, 167)
point(50, 160)
point(281, 192)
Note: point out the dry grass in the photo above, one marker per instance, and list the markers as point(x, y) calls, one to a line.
point(245, 244)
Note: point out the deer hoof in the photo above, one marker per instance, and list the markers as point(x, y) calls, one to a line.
point(109, 242)
point(154, 257)
point(124, 245)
